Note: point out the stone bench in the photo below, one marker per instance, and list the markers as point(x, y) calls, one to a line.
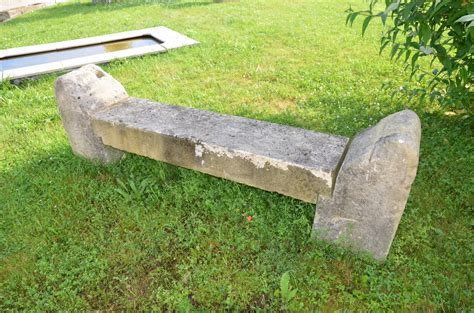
point(291, 161)
point(360, 188)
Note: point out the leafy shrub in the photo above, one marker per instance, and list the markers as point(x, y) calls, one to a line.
point(441, 30)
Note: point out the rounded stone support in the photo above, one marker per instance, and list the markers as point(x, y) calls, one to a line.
point(79, 94)
point(372, 186)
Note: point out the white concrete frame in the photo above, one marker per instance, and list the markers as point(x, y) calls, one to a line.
point(169, 38)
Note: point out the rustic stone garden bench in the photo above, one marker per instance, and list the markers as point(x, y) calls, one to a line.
point(360, 186)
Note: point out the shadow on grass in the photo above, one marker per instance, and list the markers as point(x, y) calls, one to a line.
point(68, 9)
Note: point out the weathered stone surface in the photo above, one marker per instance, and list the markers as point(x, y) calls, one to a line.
point(291, 161)
point(372, 186)
point(78, 94)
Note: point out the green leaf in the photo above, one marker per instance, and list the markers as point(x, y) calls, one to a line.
point(425, 33)
point(372, 4)
point(392, 7)
point(448, 65)
point(414, 59)
point(352, 17)
point(348, 17)
point(124, 194)
point(285, 283)
point(394, 34)
point(438, 6)
point(121, 184)
point(422, 97)
point(383, 46)
point(365, 24)
point(400, 52)
point(383, 16)
point(427, 50)
point(292, 294)
point(394, 50)
point(465, 18)
point(393, 94)
point(407, 55)
point(132, 186)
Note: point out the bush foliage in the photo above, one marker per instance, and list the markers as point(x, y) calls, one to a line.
point(441, 30)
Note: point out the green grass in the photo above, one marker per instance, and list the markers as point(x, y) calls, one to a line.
point(69, 239)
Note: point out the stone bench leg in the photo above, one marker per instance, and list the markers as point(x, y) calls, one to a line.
point(79, 94)
point(372, 186)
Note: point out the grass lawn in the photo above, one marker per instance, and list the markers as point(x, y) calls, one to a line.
point(69, 239)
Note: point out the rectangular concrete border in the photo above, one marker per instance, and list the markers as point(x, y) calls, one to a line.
point(169, 38)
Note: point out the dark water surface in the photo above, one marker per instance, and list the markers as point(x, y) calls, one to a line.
point(9, 63)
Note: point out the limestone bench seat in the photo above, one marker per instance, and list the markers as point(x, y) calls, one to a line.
point(360, 187)
point(292, 161)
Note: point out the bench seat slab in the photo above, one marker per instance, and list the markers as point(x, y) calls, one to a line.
point(288, 160)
